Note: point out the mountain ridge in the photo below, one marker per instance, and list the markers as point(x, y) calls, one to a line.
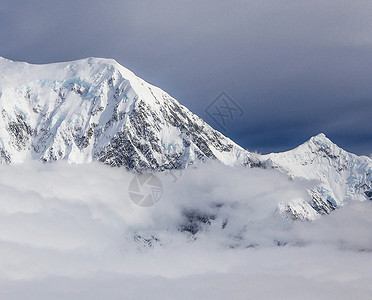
point(96, 109)
point(342, 176)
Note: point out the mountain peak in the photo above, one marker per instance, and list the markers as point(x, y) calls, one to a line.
point(340, 175)
point(321, 140)
point(96, 109)
point(320, 136)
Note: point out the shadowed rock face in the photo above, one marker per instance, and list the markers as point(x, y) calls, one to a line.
point(195, 221)
point(95, 109)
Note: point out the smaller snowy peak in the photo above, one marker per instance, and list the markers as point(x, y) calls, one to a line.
point(321, 140)
point(321, 143)
point(341, 176)
point(320, 136)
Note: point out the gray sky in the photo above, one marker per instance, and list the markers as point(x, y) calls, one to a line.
point(295, 68)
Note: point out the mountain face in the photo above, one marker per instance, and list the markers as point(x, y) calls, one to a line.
point(95, 109)
point(338, 176)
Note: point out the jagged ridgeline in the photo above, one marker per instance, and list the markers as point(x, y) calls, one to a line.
point(338, 176)
point(95, 109)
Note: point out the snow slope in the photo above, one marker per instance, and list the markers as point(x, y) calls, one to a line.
point(339, 176)
point(95, 109)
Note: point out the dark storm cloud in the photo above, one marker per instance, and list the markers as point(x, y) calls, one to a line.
point(296, 68)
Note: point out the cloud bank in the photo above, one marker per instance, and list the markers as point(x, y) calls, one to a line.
point(71, 231)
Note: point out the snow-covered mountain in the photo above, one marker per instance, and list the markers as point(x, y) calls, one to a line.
point(339, 176)
point(95, 109)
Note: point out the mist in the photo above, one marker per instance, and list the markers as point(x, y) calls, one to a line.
point(72, 231)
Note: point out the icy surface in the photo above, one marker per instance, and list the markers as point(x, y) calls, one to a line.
point(338, 176)
point(95, 109)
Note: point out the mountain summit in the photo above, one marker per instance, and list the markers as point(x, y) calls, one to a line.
point(95, 109)
point(341, 176)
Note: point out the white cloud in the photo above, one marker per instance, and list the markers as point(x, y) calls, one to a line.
point(68, 231)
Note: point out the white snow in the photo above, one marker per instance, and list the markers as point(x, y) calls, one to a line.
point(63, 100)
point(339, 175)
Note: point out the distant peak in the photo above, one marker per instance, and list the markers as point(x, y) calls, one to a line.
point(320, 136)
point(321, 140)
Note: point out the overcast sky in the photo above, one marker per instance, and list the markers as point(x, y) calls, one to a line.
point(295, 68)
